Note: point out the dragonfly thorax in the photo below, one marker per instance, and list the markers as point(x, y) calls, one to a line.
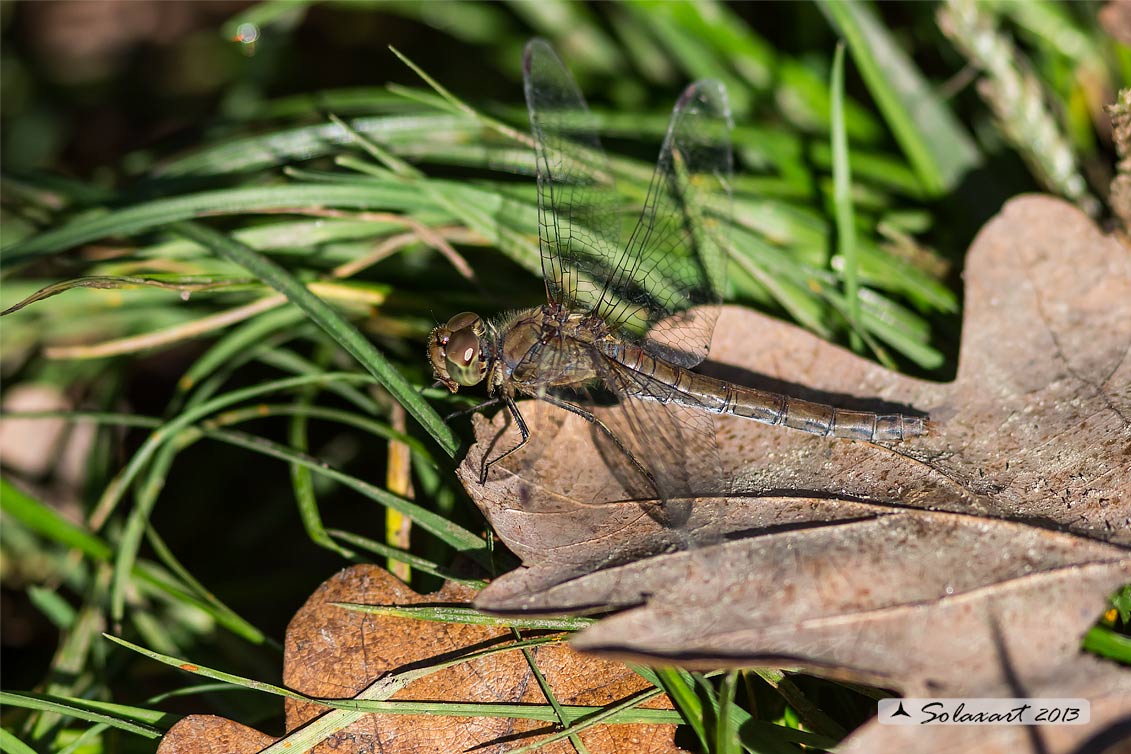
point(459, 351)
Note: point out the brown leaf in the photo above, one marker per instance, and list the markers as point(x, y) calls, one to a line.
point(338, 653)
point(960, 563)
point(208, 734)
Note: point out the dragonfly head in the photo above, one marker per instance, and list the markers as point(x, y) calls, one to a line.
point(458, 351)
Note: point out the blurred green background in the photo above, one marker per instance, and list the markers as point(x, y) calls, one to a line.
point(119, 118)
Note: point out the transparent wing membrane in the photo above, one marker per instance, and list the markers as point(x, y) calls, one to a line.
point(577, 198)
point(656, 286)
point(647, 284)
point(674, 259)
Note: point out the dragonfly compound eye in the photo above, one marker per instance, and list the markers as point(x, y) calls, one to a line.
point(464, 355)
point(454, 350)
point(466, 321)
point(460, 344)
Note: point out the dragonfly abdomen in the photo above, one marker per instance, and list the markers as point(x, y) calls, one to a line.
point(654, 379)
point(821, 419)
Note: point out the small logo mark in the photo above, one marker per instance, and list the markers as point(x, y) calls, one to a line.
point(981, 711)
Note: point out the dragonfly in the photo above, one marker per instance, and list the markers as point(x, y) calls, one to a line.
point(630, 312)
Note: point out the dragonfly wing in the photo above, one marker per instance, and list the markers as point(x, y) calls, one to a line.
point(578, 227)
point(675, 259)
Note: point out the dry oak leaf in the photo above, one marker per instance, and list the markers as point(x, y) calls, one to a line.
point(208, 734)
point(967, 562)
point(332, 652)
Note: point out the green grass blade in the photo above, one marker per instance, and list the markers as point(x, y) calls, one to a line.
point(115, 715)
point(608, 714)
point(1122, 603)
point(125, 556)
point(73, 655)
point(47, 521)
point(238, 341)
point(842, 200)
point(934, 141)
point(291, 363)
point(1107, 643)
point(680, 688)
point(388, 552)
point(457, 537)
point(53, 606)
point(228, 617)
point(107, 282)
point(726, 739)
point(1017, 99)
point(471, 616)
point(374, 698)
point(302, 478)
point(336, 326)
point(122, 481)
point(12, 745)
point(154, 214)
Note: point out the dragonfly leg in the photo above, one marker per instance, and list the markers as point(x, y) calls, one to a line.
point(513, 408)
point(589, 417)
point(472, 410)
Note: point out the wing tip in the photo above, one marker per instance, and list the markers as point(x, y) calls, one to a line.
point(534, 45)
point(709, 95)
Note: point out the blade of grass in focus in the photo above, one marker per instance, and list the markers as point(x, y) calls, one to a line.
point(933, 140)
